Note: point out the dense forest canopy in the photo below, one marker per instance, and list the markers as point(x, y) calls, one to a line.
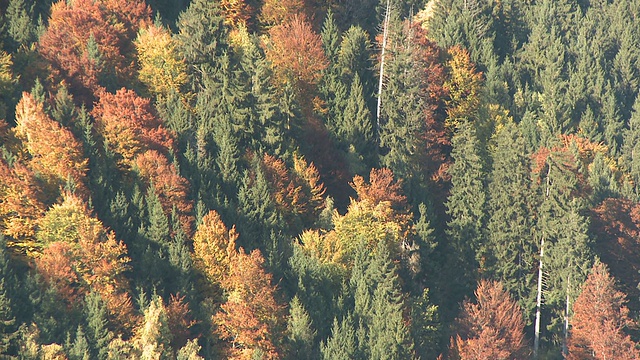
point(306, 179)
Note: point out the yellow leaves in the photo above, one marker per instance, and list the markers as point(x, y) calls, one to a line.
point(161, 68)
point(212, 245)
point(325, 247)
point(463, 84)
point(55, 152)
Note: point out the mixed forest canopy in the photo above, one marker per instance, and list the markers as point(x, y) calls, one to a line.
point(306, 179)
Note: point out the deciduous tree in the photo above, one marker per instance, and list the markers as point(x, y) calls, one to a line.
point(600, 319)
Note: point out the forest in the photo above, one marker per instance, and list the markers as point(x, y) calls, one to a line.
point(325, 180)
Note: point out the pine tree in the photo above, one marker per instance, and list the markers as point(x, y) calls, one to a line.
point(79, 350)
point(98, 334)
point(8, 325)
point(356, 129)
point(301, 333)
point(341, 345)
point(510, 248)
point(202, 37)
point(631, 145)
point(21, 25)
point(467, 208)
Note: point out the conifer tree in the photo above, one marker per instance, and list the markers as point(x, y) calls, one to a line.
point(342, 344)
point(98, 334)
point(510, 247)
point(8, 325)
point(467, 208)
point(21, 25)
point(356, 129)
point(300, 332)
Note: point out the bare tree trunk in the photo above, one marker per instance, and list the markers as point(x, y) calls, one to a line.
point(385, 34)
point(536, 339)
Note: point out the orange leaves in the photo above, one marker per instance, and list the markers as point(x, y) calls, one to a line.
point(237, 12)
point(279, 11)
point(251, 319)
point(599, 321)
point(296, 53)
point(129, 126)
point(492, 328)
point(88, 40)
point(296, 193)
point(55, 153)
point(21, 203)
point(382, 187)
point(84, 256)
point(212, 244)
point(171, 188)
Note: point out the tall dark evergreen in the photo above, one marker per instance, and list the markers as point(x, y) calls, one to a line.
point(466, 207)
point(511, 249)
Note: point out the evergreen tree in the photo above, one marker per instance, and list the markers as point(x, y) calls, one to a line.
point(510, 248)
point(79, 350)
point(202, 37)
point(631, 145)
point(301, 333)
point(466, 206)
point(97, 332)
point(356, 130)
point(21, 26)
point(8, 325)
point(341, 345)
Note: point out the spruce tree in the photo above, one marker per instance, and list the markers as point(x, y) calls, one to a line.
point(301, 332)
point(466, 206)
point(341, 345)
point(97, 332)
point(510, 249)
point(21, 26)
point(8, 324)
point(356, 130)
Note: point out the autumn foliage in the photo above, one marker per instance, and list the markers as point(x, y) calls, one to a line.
point(492, 328)
point(212, 244)
point(87, 41)
point(54, 151)
point(171, 188)
point(251, 319)
point(84, 256)
point(600, 320)
point(129, 126)
point(295, 52)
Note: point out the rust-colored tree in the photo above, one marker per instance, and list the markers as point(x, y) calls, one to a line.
point(129, 126)
point(599, 321)
point(83, 256)
point(296, 54)
point(492, 328)
point(251, 319)
point(171, 188)
point(276, 12)
point(21, 204)
point(55, 153)
point(89, 43)
point(179, 321)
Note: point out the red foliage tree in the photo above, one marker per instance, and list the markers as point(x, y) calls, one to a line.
point(21, 204)
point(492, 328)
point(179, 321)
point(252, 318)
point(296, 52)
point(381, 187)
point(599, 320)
point(171, 188)
point(86, 40)
point(129, 126)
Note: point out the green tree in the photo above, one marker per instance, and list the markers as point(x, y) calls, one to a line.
point(8, 325)
point(97, 331)
point(341, 345)
point(201, 38)
point(21, 26)
point(510, 248)
point(356, 129)
point(466, 206)
point(79, 350)
point(301, 332)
